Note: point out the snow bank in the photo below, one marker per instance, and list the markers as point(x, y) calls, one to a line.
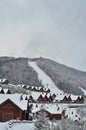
point(17, 126)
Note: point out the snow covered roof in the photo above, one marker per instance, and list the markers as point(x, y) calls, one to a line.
point(15, 98)
point(51, 108)
point(21, 85)
point(2, 80)
point(5, 90)
point(61, 96)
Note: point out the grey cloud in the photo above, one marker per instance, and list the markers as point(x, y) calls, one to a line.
point(53, 29)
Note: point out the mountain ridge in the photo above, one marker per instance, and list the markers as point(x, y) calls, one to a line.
point(17, 71)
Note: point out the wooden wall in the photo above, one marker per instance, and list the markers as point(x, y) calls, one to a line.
point(9, 111)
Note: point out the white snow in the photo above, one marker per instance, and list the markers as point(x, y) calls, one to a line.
point(2, 80)
point(46, 80)
point(17, 126)
point(3, 126)
point(51, 108)
point(5, 90)
point(15, 98)
point(0, 88)
point(84, 91)
point(72, 113)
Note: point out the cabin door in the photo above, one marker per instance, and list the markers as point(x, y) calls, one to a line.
point(7, 116)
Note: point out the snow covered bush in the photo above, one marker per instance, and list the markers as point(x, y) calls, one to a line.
point(42, 122)
point(82, 119)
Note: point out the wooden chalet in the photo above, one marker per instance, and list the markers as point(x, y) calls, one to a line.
point(8, 92)
point(64, 100)
point(50, 98)
point(25, 87)
point(40, 99)
point(9, 110)
point(5, 91)
point(48, 91)
point(69, 100)
point(79, 100)
point(41, 89)
point(2, 91)
point(45, 99)
point(36, 88)
point(51, 116)
point(31, 99)
point(4, 81)
point(82, 99)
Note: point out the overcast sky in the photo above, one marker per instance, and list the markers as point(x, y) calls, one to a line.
point(55, 29)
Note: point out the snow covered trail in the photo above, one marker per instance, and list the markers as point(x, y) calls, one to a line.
point(46, 80)
point(83, 90)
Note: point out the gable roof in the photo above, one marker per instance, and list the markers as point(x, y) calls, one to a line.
point(51, 108)
point(15, 98)
point(11, 102)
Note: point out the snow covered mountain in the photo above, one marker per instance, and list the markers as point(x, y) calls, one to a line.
point(42, 72)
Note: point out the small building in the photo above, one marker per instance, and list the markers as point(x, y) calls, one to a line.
point(31, 99)
point(69, 99)
point(51, 116)
point(4, 81)
point(9, 110)
point(79, 100)
point(46, 99)
point(11, 107)
point(40, 99)
point(51, 110)
point(2, 91)
point(64, 100)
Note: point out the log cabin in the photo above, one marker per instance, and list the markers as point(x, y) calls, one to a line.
point(10, 110)
point(64, 100)
point(40, 98)
point(51, 116)
point(79, 100)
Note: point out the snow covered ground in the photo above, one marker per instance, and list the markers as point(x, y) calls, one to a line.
point(3, 126)
point(17, 126)
point(46, 80)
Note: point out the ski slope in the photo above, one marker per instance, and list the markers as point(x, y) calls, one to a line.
point(46, 80)
point(83, 90)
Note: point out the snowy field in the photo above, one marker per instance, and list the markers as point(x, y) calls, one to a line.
point(17, 126)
